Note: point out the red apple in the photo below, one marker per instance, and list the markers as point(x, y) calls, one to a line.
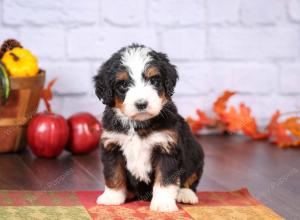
point(47, 134)
point(85, 132)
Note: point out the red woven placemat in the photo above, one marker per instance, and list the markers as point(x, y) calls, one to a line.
point(81, 205)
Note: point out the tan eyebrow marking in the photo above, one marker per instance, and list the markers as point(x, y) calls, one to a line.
point(123, 75)
point(150, 72)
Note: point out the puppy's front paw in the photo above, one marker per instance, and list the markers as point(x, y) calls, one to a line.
point(112, 197)
point(163, 205)
point(186, 195)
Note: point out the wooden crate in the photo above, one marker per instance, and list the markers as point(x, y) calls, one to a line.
point(19, 109)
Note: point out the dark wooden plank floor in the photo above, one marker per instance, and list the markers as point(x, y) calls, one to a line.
point(272, 175)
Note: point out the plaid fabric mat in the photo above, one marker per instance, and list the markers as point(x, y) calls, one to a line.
point(31, 205)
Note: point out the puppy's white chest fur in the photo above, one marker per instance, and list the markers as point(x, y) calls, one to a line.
point(138, 150)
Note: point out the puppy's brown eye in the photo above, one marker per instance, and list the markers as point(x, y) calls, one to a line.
point(122, 86)
point(155, 81)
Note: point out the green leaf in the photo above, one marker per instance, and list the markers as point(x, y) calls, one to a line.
point(4, 83)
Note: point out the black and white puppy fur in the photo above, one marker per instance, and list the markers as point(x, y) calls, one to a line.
point(147, 148)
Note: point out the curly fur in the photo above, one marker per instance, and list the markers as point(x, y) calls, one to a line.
point(155, 154)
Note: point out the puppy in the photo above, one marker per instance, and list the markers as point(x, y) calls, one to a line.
point(147, 149)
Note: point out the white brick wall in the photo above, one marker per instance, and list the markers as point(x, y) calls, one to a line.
point(251, 46)
point(222, 12)
point(294, 8)
point(261, 43)
point(260, 12)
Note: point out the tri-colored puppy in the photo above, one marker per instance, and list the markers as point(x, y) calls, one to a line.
point(147, 148)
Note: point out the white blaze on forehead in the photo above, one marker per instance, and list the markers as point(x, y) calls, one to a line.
point(136, 60)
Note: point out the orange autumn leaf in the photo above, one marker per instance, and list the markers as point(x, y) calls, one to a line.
point(273, 122)
point(293, 125)
point(282, 139)
point(232, 119)
point(239, 119)
point(279, 132)
point(204, 119)
point(260, 135)
point(197, 124)
point(242, 120)
point(47, 94)
point(220, 104)
point(249, 126)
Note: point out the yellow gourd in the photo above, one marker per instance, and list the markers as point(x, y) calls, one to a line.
point(20, 62)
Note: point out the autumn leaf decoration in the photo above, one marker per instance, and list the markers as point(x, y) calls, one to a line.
point(201, 122)
point(240, 120)
point(47, 95)
point(284, 134)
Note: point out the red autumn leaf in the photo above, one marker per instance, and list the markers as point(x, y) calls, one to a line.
point(220, 104)
point(47, 94)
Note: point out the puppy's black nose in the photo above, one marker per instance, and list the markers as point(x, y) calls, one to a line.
point(141, 104)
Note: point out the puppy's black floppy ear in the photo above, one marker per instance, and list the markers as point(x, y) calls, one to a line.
point(170, 72)
point(103, 89)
